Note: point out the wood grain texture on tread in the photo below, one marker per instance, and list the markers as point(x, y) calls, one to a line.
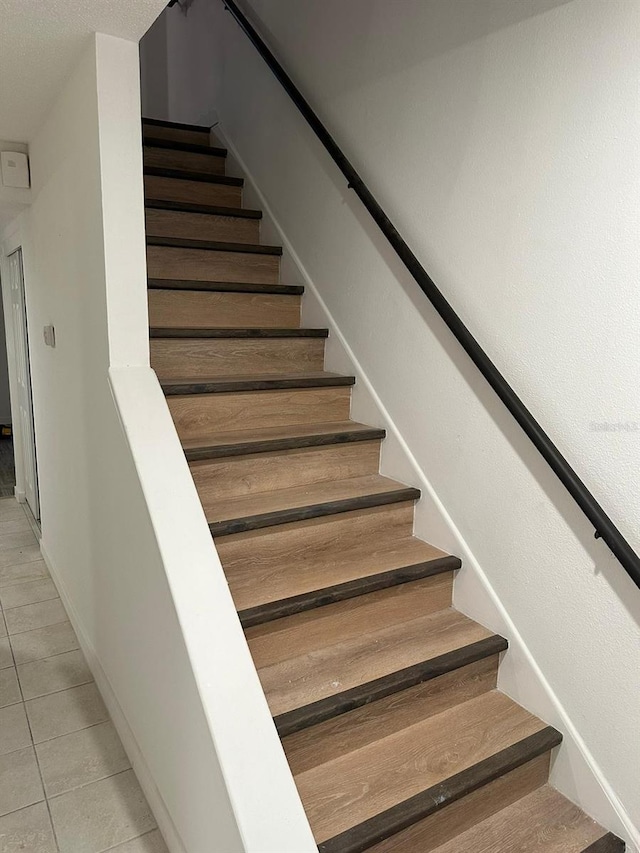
point(197, 417)
point(329, 740)
point(254, 382)
point(542, 822)
point(193, 176)
point(202, 226)
point(300, 502)
point(284, 438)
point(203, 357)
point(250, 473)
point(214, 246)
point(204, 309)
point(420, 761)
point(201, 264)
point(238, 476)
point(444, 824)
point(328, 652)
point(195, 207)
point(169, 158)
point(229, 334)
point(291, 568)
point(180, 189)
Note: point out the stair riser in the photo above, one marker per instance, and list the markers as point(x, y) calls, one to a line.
point(198, 192)
point(196, 137)
point(261, 472)
point(202, 358)
point(201, 414)
point(314, 540)
point(330, 739)
point(168, 158)
point(202, 226)
point(306, 633)
point(203, 265)
point(444, 825)
point(200, 310)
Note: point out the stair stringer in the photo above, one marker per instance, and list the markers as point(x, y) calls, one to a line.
point(574, 771)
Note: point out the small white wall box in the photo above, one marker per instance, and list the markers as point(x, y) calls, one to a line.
point(15, 169)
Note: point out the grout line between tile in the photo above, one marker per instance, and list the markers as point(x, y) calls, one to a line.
point(53, 692)
point(44, 790)
point(93, 782)
point(40, 627)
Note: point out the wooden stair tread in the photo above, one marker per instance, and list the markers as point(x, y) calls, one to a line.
point(330, 660)
point(277, 438)
point(214, 245)
point(278, 507)
point(209, 209)
point(403, 776)
point(255, 382)
point(192, 175)
point(286, 584)
point(350, 731)
point(176, 145)
point(542, 822)
point(224, 286)
point(225, 332)
point(176, 125)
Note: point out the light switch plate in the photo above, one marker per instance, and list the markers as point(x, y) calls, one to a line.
point(50, 336)
point(14, 166)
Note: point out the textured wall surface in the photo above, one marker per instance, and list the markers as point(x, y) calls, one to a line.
point(40, 43)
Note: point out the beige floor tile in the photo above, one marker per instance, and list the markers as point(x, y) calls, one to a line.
point(69, 711)
point(17, 540)
point(19, 556)
point(14, 729)
point(9, 687)
point(152, 842)
point(27, 831)
point(6, 658)
point(10, 508)
point(22, 572)
point(52, 674)
point(20, 784)
point(3, 627)
point(101, 815)
point(81, 757)
point(43, 642)
point(14, 525)
point(28, 593)
point(32, 616)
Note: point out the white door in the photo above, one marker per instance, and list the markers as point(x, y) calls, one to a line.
point(23, 371)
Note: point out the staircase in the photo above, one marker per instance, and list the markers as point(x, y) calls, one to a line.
point(384, 696)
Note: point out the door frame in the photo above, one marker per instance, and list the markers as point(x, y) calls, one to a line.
point(11, 242)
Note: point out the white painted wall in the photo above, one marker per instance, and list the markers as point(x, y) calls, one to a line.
point(154, 81)
point(179, 66)
point(500, 136)
point(123, 530)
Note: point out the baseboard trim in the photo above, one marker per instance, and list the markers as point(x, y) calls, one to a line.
point(118, 717)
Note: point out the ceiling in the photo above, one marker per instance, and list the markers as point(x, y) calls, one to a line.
point(40, 40)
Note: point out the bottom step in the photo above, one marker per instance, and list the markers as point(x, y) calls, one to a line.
point(543, 822)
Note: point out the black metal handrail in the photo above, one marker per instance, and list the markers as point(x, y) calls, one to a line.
point(604, 526)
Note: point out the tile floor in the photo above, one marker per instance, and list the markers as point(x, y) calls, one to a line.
point(66, 784)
